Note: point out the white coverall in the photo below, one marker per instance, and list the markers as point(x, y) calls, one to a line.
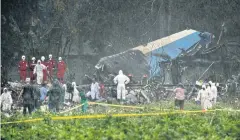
point(203, 97)
point(95, 90)
point(121, 80)
point(67, 95)
point(38, 69)
point(76, 97)
point(6, 101)
point(214, 94)
point(210, 96)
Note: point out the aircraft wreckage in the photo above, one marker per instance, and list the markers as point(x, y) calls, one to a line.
point(181, 57)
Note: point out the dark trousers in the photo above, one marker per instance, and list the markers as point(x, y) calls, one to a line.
point(36, 104)
point(54, 106)
point(25, 107)
point(179, 103)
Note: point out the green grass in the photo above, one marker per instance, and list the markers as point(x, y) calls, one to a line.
point(214, 125)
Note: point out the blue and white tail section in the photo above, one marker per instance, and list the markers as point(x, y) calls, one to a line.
point(144, 59)
point(168, 46)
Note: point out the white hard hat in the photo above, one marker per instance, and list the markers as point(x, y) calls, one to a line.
point(60, 58)
point(33, 58)
point(74, 84)
point(42, 58)
point(210, 82)
point(39, 61)
point(4, 89)
point(28, 80)
point(50, 54)
point(23, 56)
point(203, 86)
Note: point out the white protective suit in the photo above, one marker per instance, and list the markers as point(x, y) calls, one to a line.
point(67, 95)
point(210, 96)
point(203, 97)
point(214, 93)
point(38, 69)
point(121, 80)
point(95, 90)
point(6, 100)
point(76, 97)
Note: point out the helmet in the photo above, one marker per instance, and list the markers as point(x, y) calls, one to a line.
point(204, 86)
point(42, 58)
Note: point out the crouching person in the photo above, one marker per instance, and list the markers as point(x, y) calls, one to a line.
point(6, 101)
point(54, 94)
point(180, 96)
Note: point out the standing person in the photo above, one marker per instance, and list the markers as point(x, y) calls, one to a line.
point(6, 101)
point(214, 93)
point(203, 97)
point(76, 98)
point(84, 101)
point(22, 68)
point(209, 95)
point(54, 94)
point(51, 66)
point(43, 92)
point(180, 96)
point(70, 91)
point(66, 94)
point(28, 97)
point(95, 90)
point(121, 80)
point(39, 71)
point(45, 74)
point(61, 69)
point(32, 65)
point(37, 95)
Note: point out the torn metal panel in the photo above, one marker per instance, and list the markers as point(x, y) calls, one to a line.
point(131, 62)
point(145, 59)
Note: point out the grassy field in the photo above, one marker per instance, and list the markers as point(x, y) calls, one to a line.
point(209, 125)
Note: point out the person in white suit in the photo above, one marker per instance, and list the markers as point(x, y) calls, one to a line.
point(203, 97)
point(38, 69)
point(76, 97)
point(95, 90)
point(121, 80)
point(214, 93)
point(6, 100)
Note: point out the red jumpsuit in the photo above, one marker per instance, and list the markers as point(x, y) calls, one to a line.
point(32, 66)
point(22, 67)
point(50, 66)
point(61, 70)
point(45, 74)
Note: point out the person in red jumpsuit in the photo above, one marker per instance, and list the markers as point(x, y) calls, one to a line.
point(32, 65)
point(50, 66)
point(61, 69)
point(45, 74)
point(22, 68)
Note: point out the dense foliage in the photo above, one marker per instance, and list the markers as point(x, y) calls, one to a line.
point(211, 125)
